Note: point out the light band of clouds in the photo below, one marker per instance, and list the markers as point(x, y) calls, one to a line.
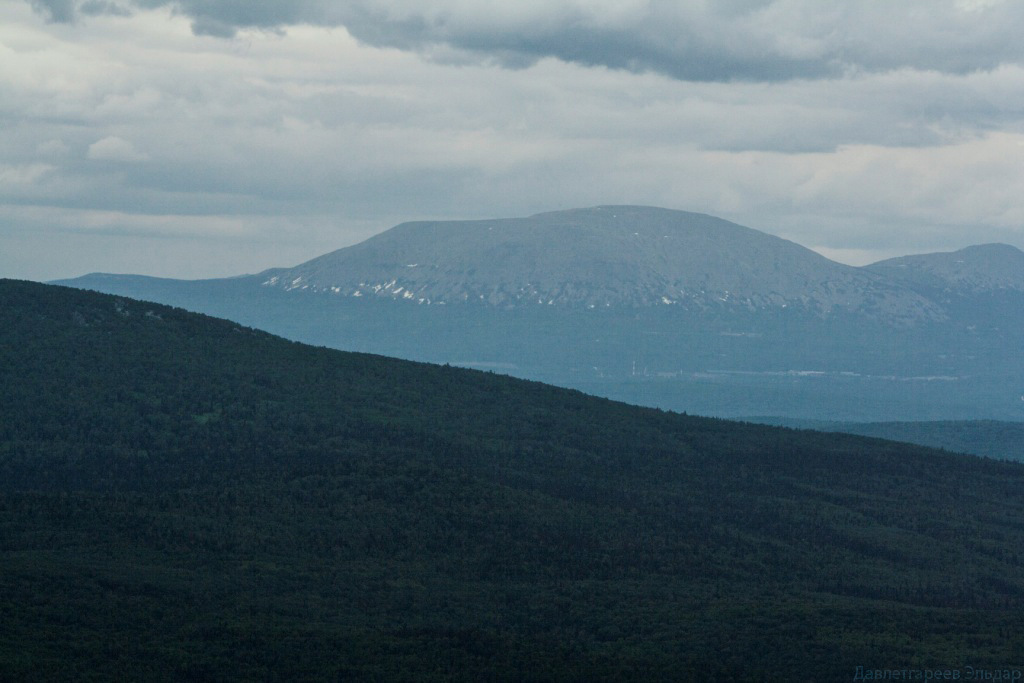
point(310, 125)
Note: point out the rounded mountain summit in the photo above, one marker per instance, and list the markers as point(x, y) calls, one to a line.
point(605, 256)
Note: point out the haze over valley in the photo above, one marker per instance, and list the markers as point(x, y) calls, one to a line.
point(658, 307)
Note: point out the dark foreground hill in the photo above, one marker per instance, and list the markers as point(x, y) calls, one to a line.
point(989, 438)
point(183, 498)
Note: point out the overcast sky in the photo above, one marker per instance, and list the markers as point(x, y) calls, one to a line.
point(202, 138)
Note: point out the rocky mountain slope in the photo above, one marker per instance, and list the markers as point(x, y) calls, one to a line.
point(973, 270)
point(608, 256)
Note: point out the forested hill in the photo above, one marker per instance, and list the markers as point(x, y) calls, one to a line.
point(183, 498)
point(989, 438)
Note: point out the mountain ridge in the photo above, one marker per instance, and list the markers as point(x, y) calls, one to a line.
point(975, 269)
point(632, 256)
point(600, 257)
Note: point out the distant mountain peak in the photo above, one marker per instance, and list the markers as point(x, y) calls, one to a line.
point(993, 248)
point(974, 269)
point(604, 256)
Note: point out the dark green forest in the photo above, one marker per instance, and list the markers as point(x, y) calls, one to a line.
point(990, 438)
point(184, 498)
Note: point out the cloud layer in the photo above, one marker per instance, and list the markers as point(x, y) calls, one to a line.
point(211, 138)
point(710, 40)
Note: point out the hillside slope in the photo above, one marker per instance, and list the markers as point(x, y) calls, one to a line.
point(185, 498)
point(988, 438)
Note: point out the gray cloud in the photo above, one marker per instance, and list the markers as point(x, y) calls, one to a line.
point(754, 40)
point(94, 8)
point(113, 148)
point(59, 11)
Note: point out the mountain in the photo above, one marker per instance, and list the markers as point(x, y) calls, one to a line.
point(658, 307)
point(980, 287)
point(601, 257)
point(185, 498)
point(974, 270)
